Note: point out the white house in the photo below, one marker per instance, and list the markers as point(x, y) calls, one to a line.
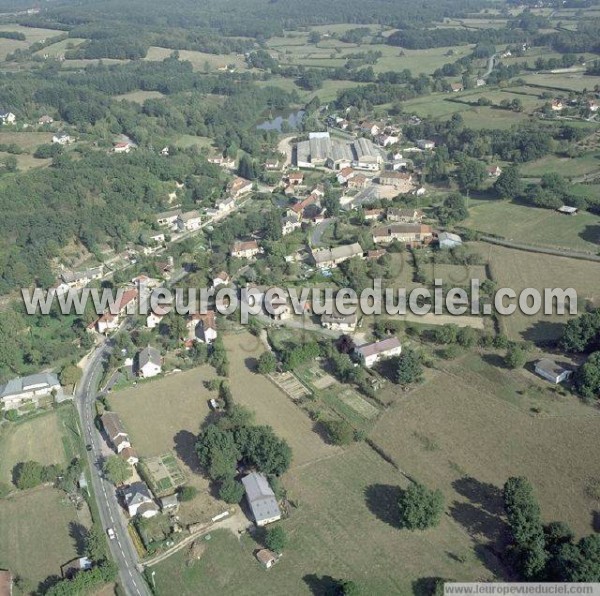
point(30, 389)
point(369, 354)
point(107, 322)
point(130, 456)
point(289, 224)
point(326, 258)
point(425, 144)
point(245, 250)
point(139, 501)
point(204, 327)
point(551, 371)
point(261, 499)
point(62, 138)
point(221, 279)
point(338, 322)
point(7, 117)
point(149, 363)
point(113, 427)
point(156, 316)
point(189, 221)
point(168, 218)
point(122, 147)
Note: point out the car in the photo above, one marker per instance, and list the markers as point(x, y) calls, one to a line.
point(111, 533)
point(88, 447)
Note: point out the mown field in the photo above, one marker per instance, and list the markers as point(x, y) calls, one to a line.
point(471, 427)
point(199, 60)
point(40, 529)
point(518, 270)
point(531, 225)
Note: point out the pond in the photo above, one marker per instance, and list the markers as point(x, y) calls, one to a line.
point(293, 120)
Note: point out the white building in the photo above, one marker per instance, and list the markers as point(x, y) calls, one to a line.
point(261, 499)
point(149, 363)
point(30, 389)
point(139, 501)
point(62, 138)
point(7, 117)
point(551, 371)
point(189, 221)
point(449, 240)
point(370, 354)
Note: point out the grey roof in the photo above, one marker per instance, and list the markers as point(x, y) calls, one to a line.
point(449, 236)
point(348, 251)
point(23, 384)
point(189, 215)
point(550, 367)
point(137, 493)
point(169, 501)
point(378, 347)
point(261, 497)
point(112, 425)
point(73, 276)
point(149, 354)
point(168, 214)
point(339, 319)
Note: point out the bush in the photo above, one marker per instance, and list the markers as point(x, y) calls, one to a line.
point(187, 493)
point(339, 432)
point(231, 491)
point(276, 539)
point(420, 508)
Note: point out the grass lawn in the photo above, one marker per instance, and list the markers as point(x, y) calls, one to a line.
point(519, 269)
point(531, 225)
point(571, 168)
point(32, 35)
point(26, 140)
point(61, 47)
point(185, 141)
point(342, 527)
point(566, 82)
point(198, 59)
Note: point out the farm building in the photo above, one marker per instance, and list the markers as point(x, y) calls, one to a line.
point(245, 250)
point(30, 389)
point(551, 371)
point(370, 354)
point(326, 258)
point(266, 558)
point(406, 215)
point(449, 240)
point(261, 499)
point(411, 234)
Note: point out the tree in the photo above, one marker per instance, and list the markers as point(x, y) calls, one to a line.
point(28, 474)
point(509, 185)
point(276, 538)
point(587, 378)
point(339, 432)
point(70, 375)
point(452, 210)
point(187, 493)
point(420, 507)
point(95, 544)
point(231, 491)
point(217, 452)
point(516, 357)
point(409, 368)
point(261, 448)
point(471, 174)
point(583, 333)
point(580, 562)
point(346, 587)
point(117, 470)
point(267, 363)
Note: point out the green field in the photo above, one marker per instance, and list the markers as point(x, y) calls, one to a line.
point(32, 35)
point(531, 225)
point(569, 167)
point(139, 96)
point(564, 81)
point(199, 60)
point(56, 49)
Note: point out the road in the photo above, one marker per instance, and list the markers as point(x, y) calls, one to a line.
point(121, 548)
point(490, 67)
point(318, 231)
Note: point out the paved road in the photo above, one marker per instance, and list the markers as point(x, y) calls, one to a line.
point(122, 549)
point(490, 67)
point(319, 230)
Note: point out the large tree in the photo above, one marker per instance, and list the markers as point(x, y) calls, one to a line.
point(509, 185)
point(117, 470)
point(420, 507)
point(410, 369)
point(218, 452)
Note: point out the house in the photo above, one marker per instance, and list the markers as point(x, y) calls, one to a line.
point(122, 147)
point(165, 151)
point(566, 210)
point(261, 499)
point(480, 83)
point(409, 234)
point(456, 87)
point(28, 390)
point(245, 250)
point(139, 501)
point(6, 583)
point(399, 164)
point(169, 503)
point(239, 187)
point(7, 118)
point(226, 205)
point(593, 105)
point(425, 144)
point(79, 279)
point(407, 215)
point(297, 209)
point(370, 128)
point(345, 174)
point(149, 363)
point(45, 119)
point(221, 279)
point(494, 171)
point(369, 354)
point(107, 322)
point(266, 557)
point(448, 240)
point(156, 316)
point(339, 322)
point(373, 255)
point(358, 182)
point(551, 371)
point(387, 140)
point(373, 214)
point(277, 307)
point(272, 164)
point(419, 192)
point(189, 221)
point(113, 427)
point(295, 178)
point(72, 568)
point(557, 105)
point(326, 258)
point(205, 326)
point(168, 218)
point(289, 224)
point(62, 138)
point(224, 162)
point(127, 302)
point(403, 181)
point(130, 456)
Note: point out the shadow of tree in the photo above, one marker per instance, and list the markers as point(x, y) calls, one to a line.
point(591, 234)
point(251, 364)
point(185, 442)
point(486, 495)
point(426, 586)
point(79, 533)
point(382, 501)
point(48, 583)
point(324, 585)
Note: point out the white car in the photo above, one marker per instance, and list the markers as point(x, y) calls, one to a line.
point(111, 533)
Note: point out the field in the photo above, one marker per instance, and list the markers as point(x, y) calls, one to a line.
point(59, 48)
point(469, 429)
point(185, 141)
point(139, 96)
point(199, 60)
point(31, 521)
point(343, 526)
point(38, 439)
point(566, 82)
point(571, 168)
point(520, 269)
point(32, 35)
point(531, 225)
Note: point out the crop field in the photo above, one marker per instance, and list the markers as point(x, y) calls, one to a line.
point(518, 270)
point(199, 60)
point(271, 405)
point(470, 428)
point(531, 225)
point(344, 525)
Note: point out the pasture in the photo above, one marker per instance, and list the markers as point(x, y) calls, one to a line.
point(569, 167)
point(519, 269)
point(344, 525)
point(32, 35)
point(565, 82)
point(139, 96)
point(532, 225)
point(201, 61)
point(471, 427)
